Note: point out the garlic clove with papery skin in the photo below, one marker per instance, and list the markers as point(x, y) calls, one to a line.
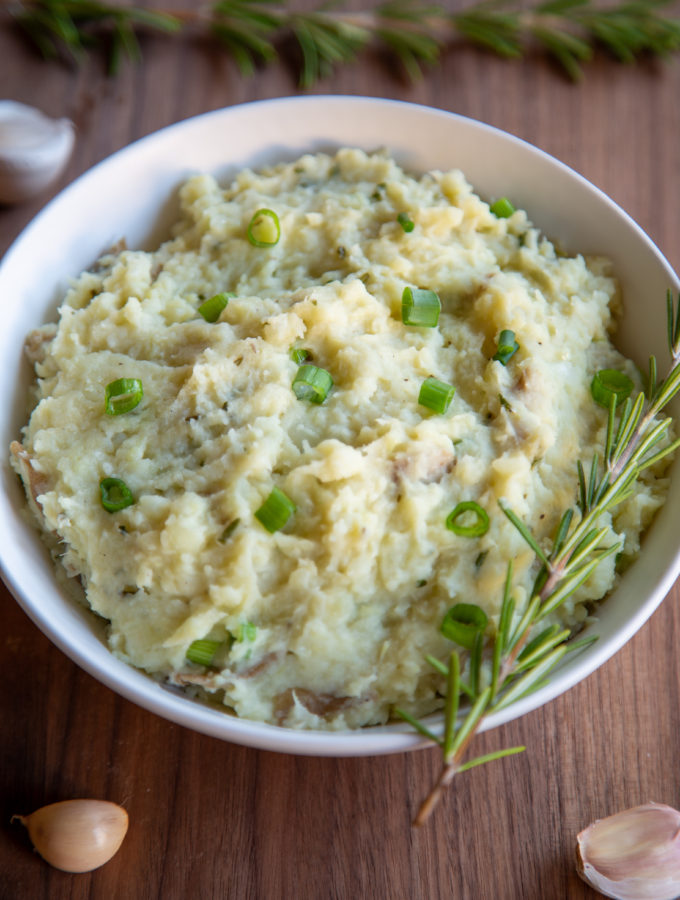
point(34, 150)
point(77, 835)
point(634, 854)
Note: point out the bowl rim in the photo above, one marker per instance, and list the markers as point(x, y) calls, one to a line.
point(372, 740)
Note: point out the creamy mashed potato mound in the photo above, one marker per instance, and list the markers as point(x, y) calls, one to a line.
point(326, 622)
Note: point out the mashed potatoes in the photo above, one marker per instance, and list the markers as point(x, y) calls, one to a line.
point(325, 622)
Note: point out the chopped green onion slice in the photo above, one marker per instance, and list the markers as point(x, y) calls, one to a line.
point(420, 307)
point(608, 383)
point(507, 346)
point(115, 494)
point(275, 511)
point(211, 310)
point(299, 354)
point(406, 222)
point(436, 395)
point(462, 623)
point(312, 383)
point(246, 632)
point(264, 229)
point(122, 395)
point(478, 527)
point(502, 208)
point(202, 652)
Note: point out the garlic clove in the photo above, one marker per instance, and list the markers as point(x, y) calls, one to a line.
point(77, 835)
point(634, 854)
point(34, 150)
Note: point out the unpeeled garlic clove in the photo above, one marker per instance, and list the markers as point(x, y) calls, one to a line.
point(77, 835)
point(34, 150)
point(634, 854)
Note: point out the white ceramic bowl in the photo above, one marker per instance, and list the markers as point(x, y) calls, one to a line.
point(130, 195)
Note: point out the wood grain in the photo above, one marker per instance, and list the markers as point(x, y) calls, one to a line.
point(209, 819)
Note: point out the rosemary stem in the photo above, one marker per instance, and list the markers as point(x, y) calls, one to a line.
point(508, 663)
point(429, 804)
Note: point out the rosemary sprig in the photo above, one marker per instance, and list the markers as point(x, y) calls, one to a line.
point(77, 25)
point(416, 32)
point(519, 659)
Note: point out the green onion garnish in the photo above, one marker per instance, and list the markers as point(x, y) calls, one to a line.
point(502, 208)
point(115, 494)
point(299, 354)
point(609, 383)
point(312, 383)
point(462, 623)
point(477, 528)
point(211, 310)
point(436, 395)
point(420, 307)
point(507, 347)
point(202, 652)
point(275, 511)
point(406, 222)
point(122, 395)
point(264, 229)
point(246, 632)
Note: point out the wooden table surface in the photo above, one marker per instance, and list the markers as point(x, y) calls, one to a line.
point(209, 819)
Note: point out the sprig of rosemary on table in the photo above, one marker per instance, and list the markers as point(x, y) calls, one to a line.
point(415, 32)
point(519, 658)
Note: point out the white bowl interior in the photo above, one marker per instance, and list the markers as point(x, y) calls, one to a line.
point(131, 196)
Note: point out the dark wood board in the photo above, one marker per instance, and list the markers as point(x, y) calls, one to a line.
point(210, 819)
